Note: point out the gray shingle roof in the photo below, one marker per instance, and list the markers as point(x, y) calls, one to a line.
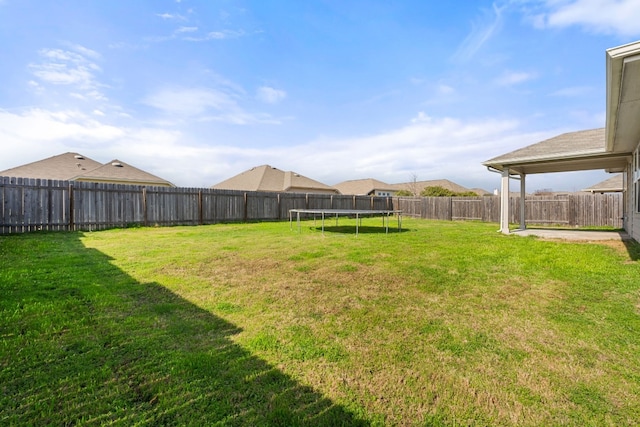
point(573, 151)
point(572, 144)
point(269, 178)
point(76, 167)
point(365, 186)
point(421, 185)
point(610, 185)
point(64, 167)
point(121, 172)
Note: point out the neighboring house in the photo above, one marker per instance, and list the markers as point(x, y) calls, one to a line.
point(615, 184)
point(366, 187)
point(373, 187)
point(416, 187)
point(268, 178)
point(76, 167)
point(616, 148)
point(119, 172)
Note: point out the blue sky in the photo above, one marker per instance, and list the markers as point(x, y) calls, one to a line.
point(198, 91)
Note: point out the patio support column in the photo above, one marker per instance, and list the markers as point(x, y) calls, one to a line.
point(504, 202)
point(523, 193)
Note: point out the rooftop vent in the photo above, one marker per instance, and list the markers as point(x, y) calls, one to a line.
point(79, 157)
point(116, 164)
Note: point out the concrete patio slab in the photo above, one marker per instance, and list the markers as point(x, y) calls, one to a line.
point(581, 235)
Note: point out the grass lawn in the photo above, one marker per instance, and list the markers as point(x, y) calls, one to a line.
point(445, 323)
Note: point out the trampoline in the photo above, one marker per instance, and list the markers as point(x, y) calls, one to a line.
point(357, 213)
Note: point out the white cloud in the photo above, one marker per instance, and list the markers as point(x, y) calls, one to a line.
point(207, 104)
point(190, 101)
point(187, 29)
point(482, 31)
point(171, 16)
point(430, 147)
point(444, 89)
point(69, 68)
point(572, 91)
point(433, 148)
point(600, 16)
point(421, 117)
point(510, 78)
point(48, 126)
point(192, 34)
point(35, 134)
point(86, 52)
point(216, 35)
point(270, 95)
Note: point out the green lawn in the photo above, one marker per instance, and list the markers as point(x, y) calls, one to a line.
point(444, 323)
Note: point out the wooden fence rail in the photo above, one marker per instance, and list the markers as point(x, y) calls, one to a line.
point(38, 204)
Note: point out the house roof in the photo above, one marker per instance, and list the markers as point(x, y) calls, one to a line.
point(369, 185)
point(363, 186)
point(481, 192)
point(615, 184)
point(572, 151)
point(64, 167)
point(269, 178)
point(121, 172)
point(418, 186)
point(77, 167)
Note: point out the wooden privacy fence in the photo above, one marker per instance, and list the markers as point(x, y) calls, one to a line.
point(40, 204)
point(572, 210)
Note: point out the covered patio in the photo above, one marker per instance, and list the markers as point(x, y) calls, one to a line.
point(573, 151)
point(615, 148)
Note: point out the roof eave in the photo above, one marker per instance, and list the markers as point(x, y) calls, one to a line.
point(602, 160)
point(615, 60)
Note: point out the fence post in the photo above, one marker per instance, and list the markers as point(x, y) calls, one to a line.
point(145, 218)
point(279, 208)
point(200, 213)
point(450, 208)
point(71, 208)
point(245, 214)
point(49, 206)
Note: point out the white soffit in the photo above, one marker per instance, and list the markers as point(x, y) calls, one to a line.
point(623, 98)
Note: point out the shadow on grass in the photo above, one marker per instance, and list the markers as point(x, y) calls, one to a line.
point(82, 342)
point(633, 248)
point(365, 229)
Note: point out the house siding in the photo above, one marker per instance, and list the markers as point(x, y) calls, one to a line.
point(633, 186)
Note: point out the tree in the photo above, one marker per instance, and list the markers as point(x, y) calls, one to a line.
point(438, 191)
point(413, 185)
